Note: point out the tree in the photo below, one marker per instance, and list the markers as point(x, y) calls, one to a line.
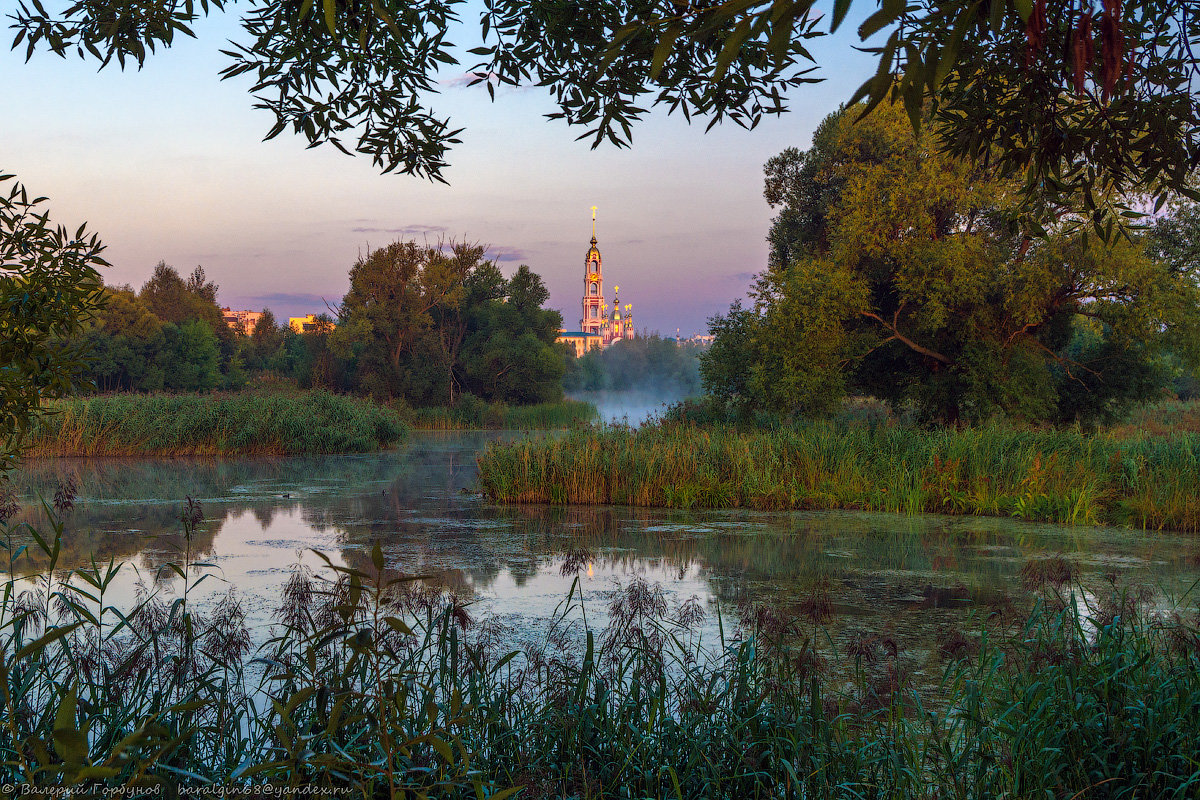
point(898, 271)
point(481, 283)
point(1092, 98)
point(122, 340)
point(49, 286)
point(123, 313)
point(172, 299)
point(387, 313)
point(1174, 240)
point(266, 342)
point(190, 358)
point(429, 324)
point(509, 353)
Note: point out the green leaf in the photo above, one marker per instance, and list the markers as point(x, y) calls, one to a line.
point(948, 56)
point(443, 749)
point(875, 23)
point(68, 739)
point(331, 16)
point(732, 45)
point(663, 50)
point(840, 8)
point(503, 795)
point(39, 644)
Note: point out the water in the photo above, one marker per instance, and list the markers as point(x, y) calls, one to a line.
point(632, 407)
point(908, 577)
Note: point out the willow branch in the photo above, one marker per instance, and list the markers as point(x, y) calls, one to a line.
point(907, 342)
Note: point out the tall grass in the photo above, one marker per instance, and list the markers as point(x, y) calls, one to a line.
point(379, 688)
point(471, 413)
point(1165, 417)
point(1056, 476)
point(245, 423)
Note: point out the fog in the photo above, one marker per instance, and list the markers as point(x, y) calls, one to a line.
point(632, 406)
point(635, 380)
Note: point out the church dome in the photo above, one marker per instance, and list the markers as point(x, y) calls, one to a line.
point(593, 253)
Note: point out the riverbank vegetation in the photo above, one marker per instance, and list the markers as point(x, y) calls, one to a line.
point(242, 423)
point(273, 421)
point(1132, 477)
point(898, 272)
point(375, 685)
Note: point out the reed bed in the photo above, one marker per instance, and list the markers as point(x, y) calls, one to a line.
point(245, 423)
point(1165, 417)
point(475, 414)
point(374, 686)
point(1140, 480)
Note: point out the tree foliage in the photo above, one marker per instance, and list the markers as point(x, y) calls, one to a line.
point(49, 284)
point(899, 271)
point(1091, 99)
point(131, 348)
point(425, 325)
point(173, 299)
point(428, 324)
point(1174, 239)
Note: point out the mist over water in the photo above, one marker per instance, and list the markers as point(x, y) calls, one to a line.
point(633, 406)
point(635, 380)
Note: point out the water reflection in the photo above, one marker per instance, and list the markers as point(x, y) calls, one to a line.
point(907, 576)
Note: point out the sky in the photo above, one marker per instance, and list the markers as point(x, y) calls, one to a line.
point(168, 163)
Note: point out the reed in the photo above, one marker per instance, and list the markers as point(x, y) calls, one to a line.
point(244, 423)
point(474, 414)
point(377, 687)
point(1165, 417)
point(1062, 476)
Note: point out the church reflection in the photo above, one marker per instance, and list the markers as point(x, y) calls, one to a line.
point(262, 515)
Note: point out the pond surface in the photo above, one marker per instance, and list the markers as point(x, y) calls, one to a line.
point(907, 577)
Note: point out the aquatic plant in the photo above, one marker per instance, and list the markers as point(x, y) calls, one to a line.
point(377, 685)
point(245, 423)
point(1061, 476)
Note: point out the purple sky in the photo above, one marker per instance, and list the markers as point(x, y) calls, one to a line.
point(168, 163)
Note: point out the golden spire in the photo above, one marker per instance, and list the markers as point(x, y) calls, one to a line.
point(593, 222)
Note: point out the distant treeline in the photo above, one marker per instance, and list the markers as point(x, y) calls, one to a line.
point(422, 326)
point(648, 363)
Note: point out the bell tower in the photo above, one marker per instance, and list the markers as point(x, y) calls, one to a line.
point(593, 287)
